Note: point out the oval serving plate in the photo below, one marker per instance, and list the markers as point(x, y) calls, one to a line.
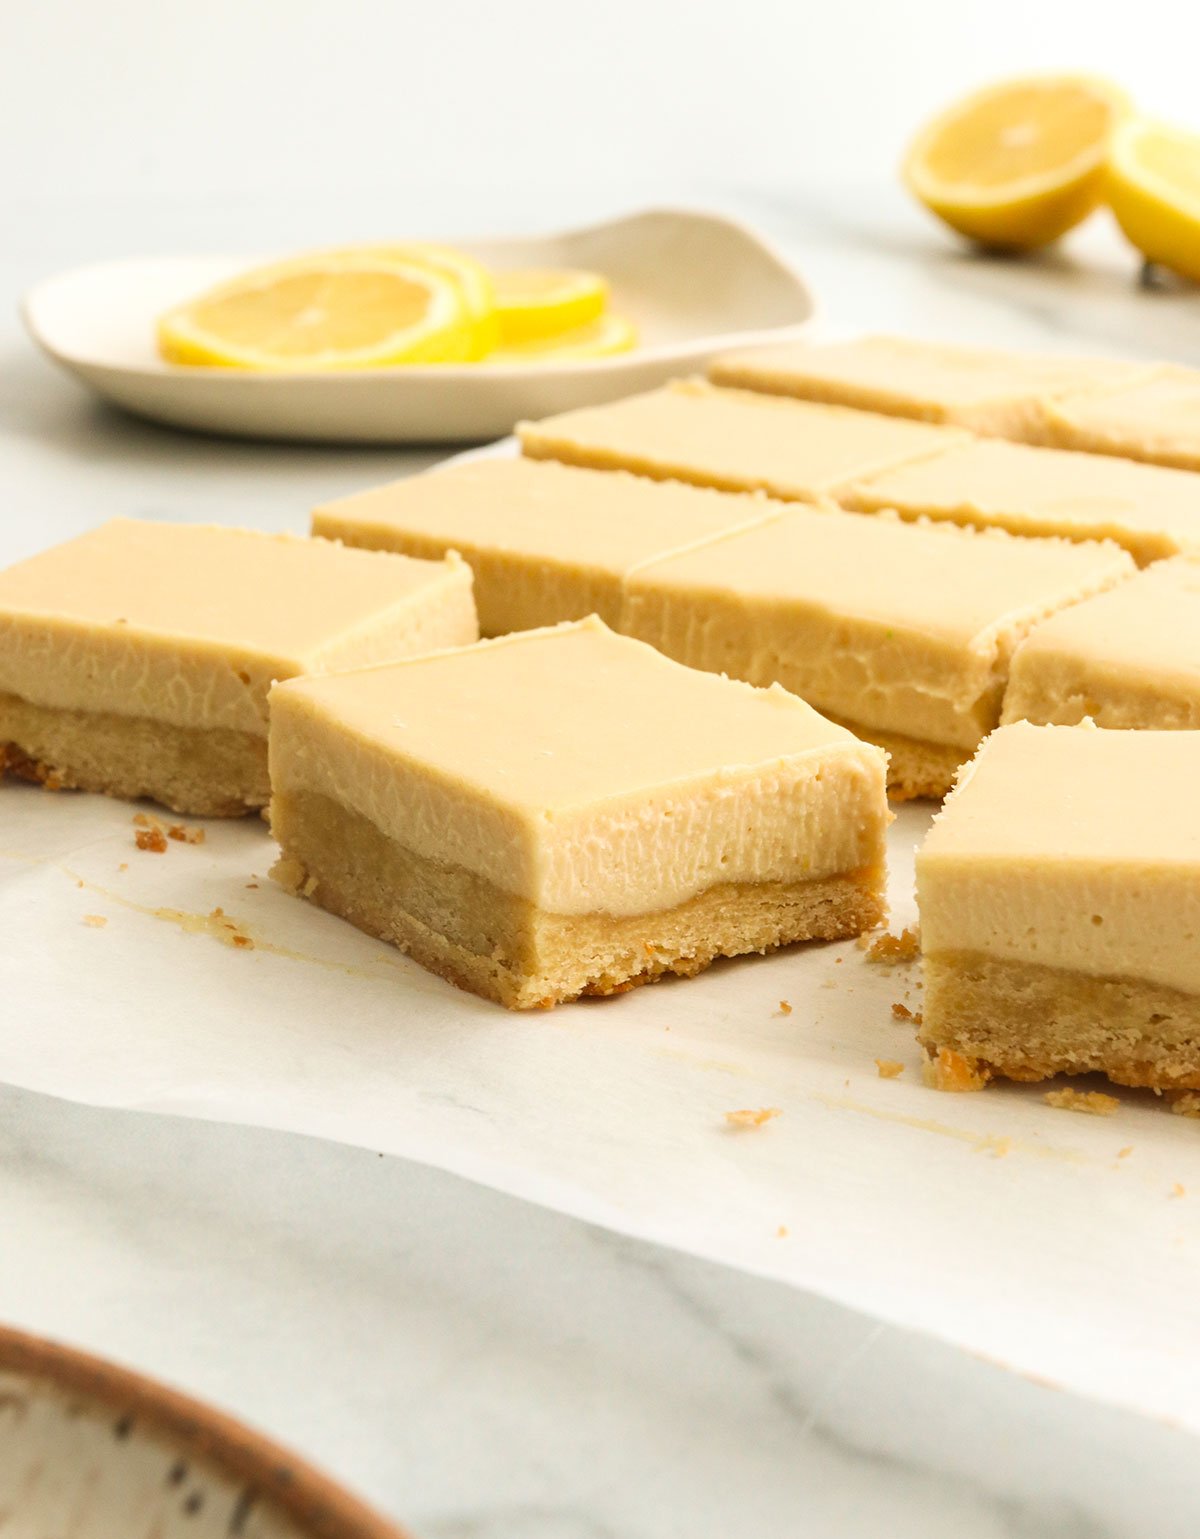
point(98, 1452)
point(695, 284)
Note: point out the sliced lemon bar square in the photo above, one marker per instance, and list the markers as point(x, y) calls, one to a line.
point(136, 659)
point(1156, 418)
point(546, 542)
point(1149, 510)
point(564, 812)
point(903, 632)
point(1128, 658)
point(734, 440)
point(982, 388)
point(1059, 894)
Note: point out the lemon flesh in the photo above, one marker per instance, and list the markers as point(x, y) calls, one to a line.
point(474, 281)
point(322, 314)
point(536, 303)
point(1019, 164)
point(1154, 192)
point(604, 338)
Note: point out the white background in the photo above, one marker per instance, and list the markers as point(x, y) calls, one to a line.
point(482, 1369)
point(402, 101)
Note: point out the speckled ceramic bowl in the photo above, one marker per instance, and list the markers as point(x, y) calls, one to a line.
point(92, 1451)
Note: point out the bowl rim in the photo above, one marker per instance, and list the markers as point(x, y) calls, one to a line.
point(321, 1507)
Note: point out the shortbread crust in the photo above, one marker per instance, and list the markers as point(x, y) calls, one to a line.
point(734, 440)
point(136, 659)
point(901, 631)
point(987, 390)
point(533, 838)
point(485, 940)
point(546, 542)
point(1059, 893)
point(204, 771)
point(1129, 658)
point(1150, 510)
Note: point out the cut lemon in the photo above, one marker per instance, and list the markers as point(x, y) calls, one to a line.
point(604, 338)
point(472, 277)
point(1154, 191)
point(346, 312)
point(1018, 164)
point(542, 302)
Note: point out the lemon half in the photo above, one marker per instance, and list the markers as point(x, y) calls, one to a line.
point(1154, 192)
point(1021, 163)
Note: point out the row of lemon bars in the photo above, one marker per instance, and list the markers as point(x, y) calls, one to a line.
point(634, 778)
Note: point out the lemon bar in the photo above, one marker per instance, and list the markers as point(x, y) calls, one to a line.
point(901, 631)
point(1155, 418)
point(564, 812)
point(985, 389)
point(1059, 892)
point(1127, 658)
point(734, 440)
point(1152, 511)
point(546, 542)
point(136, 659)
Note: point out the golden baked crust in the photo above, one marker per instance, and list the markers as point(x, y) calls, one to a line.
point(204, 772)
point(916, 769)
point(1028, 1022)
point(464, 928)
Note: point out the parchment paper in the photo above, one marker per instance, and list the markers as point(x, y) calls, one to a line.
point(1063, 1245)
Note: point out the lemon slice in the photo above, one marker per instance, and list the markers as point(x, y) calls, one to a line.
point(1018, 164)
point(348, 312)
point(1154, 191)
point(604, 338)
point(473, 279)
point(543, 302)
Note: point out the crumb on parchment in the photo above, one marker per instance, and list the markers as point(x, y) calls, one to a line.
point(785, 1007)
point(229, 931)
point(152, 839)
point(889, 1068)
point(1123, 1154)
point(1178, 1190)
point(949, 1070)
point(892, 949)
point(752, 1117)
point(782, 1232)
point(184, 834)
point(95, 921)
point(1092, 1103)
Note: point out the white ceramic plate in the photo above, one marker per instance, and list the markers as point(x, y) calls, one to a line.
point(694, 283)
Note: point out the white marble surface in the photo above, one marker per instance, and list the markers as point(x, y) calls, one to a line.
point(486, 1370)
point(480, 1368)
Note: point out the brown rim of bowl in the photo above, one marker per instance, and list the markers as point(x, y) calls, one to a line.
point(319, 1505)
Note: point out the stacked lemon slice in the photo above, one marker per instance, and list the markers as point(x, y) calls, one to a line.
point(380, 306)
